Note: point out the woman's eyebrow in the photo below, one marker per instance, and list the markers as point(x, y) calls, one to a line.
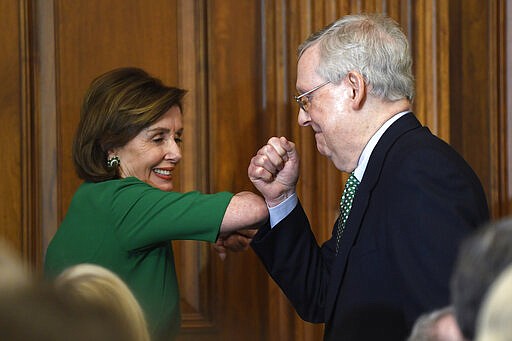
point(158, 129)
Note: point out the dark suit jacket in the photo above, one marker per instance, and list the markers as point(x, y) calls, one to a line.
point(418, 198)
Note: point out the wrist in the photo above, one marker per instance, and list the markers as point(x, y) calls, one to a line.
point(272, 202)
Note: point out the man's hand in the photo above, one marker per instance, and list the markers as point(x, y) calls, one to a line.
point(274, 170)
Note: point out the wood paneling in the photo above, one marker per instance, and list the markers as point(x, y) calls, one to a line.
point(498, 192)
point(430, 43)
point(19, 221)
point(234, 112)
point(505, 44)
point(45, 106)
point(92, 37)
point(193, 258)
point(238, 61)
point(468, 69)
point(474, 74)
point(30, 148)
point(11, 129)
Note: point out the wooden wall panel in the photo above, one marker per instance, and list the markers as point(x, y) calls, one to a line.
point(95, 36)
point(430, 46)
point(505, 86)
point(471, 114)
point(233, 82)
point(19, 222)
point(11, 127)
point(280, 36)
point(499, 187)
point(45, 107)
point(193, 258)
point(238, 59)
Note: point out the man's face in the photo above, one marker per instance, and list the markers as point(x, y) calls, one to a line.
point(329, 113)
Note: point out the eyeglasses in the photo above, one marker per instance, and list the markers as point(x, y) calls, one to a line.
point(304, 99)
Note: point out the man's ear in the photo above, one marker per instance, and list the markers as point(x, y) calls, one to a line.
point(357, 87)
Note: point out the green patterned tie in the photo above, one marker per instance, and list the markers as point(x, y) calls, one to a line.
point(345, 206)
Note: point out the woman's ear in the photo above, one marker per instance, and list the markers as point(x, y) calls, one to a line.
point(111, 153)
point(357, 88)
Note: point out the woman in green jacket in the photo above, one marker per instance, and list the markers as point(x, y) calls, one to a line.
point(125, 214)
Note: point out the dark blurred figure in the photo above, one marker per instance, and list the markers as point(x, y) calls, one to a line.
point(482, 257)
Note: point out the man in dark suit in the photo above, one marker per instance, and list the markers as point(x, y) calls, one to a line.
point(414, 198)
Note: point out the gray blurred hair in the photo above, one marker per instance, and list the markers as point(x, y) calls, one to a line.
point(372, 45)
point(427, 327)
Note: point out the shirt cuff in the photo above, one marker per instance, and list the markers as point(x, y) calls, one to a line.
point(279, 212)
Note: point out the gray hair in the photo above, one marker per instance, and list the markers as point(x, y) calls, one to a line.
point(372, 45)
point(427, 328)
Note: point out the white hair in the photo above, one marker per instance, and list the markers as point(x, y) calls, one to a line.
point(494, 322)
point(372, 45)
point(95, 285)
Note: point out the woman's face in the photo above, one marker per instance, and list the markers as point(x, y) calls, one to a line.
point(152, 155)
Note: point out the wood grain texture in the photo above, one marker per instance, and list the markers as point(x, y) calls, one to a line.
point(238, 61)
point(92, 37)
point(14, 111)
point(470, 115)
point(30, 148)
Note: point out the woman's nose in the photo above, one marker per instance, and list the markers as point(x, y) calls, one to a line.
point(174, 152)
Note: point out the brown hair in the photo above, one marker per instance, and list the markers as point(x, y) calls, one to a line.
point(117, 106)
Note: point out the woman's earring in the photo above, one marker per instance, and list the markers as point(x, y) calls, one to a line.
point(113, 162)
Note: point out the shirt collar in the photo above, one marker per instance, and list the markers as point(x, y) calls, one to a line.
point(368, 149)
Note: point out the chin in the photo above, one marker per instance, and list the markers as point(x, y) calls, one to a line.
point(321, 145)
point(322, 149)
point(166, 187)
point(340, 167)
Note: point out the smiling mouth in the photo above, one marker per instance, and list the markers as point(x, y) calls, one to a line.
point(162, 172)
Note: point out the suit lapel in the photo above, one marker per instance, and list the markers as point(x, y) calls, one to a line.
point(360, 203)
